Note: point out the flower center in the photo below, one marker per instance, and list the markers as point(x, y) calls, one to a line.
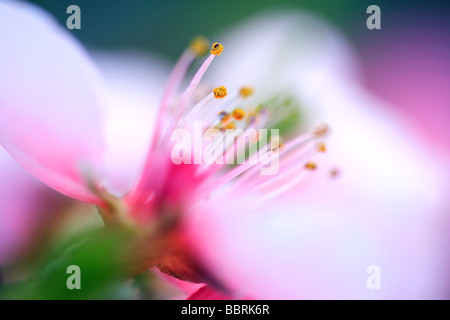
point(244, 143)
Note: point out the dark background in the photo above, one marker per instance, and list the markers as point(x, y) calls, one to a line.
point(165, 27)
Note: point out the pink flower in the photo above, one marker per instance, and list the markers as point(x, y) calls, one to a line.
point(235, 232)
point(57, 129)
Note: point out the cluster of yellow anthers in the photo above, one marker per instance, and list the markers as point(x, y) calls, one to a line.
point(320, 146)
point(238, 114)
point(200, 46)
point(227, 120)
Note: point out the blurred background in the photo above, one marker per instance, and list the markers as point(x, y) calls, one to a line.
point(164, 26)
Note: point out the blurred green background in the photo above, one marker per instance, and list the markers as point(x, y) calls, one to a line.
point(165, 27)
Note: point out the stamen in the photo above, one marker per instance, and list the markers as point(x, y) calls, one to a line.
point(310, 166)
point(212, 111)
point(292, 172)
point(292, 145)
point(236, 139)
point(253, 161)
point(295, 180)
point(263, 160)
point(188, 93)
point(216, 49)
point(199, 46)
point(321, 147)
point(211, 119)
point(321, 130)
point(250, 169)
point(238, 114)
point(174, 82)
point(175, 79)
point(190, 117)
point(245, 92)
point(220, 92)
point(297, 142)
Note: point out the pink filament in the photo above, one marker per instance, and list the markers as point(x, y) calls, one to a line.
point(173, 84)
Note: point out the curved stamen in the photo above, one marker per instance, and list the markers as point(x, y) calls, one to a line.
point(175, 79)
point(296, 143)
point(187, 94)
point(302, 161)
point(190, 117)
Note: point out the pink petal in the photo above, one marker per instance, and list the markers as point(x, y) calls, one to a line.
point(292, 251)
point(50, 95)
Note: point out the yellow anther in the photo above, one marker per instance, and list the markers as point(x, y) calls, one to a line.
point(277, 147)
point(216, 49)
point(238, 114)
point(321, 130)
point(220, 92)
point(246, 92)
point(310, 166)
point(321, 147)
point(199, 46)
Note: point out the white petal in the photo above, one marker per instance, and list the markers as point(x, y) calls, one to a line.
point(49, 101)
